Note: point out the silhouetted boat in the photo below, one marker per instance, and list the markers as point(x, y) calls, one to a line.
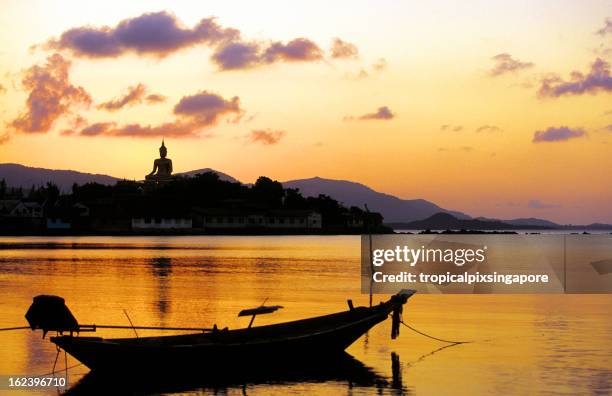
point(306, 340)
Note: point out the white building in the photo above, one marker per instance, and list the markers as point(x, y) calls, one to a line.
point(278, 219)
point(161, 223)
point(63, 216)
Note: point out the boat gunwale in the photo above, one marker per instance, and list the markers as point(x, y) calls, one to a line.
point(142, 342)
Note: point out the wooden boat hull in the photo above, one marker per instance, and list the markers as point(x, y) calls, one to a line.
point(303, 339)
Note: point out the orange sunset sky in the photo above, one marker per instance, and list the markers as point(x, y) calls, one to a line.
point(500, 109)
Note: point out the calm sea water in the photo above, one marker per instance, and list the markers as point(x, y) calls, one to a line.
point(523, 344)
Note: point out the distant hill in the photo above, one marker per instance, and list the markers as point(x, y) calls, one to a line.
point(222, 176)
point(17, 175)
point(530, 221)
point(350, 193)
point(592, 226)
point(445, 221)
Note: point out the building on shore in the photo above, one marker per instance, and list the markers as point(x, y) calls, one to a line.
point(18, 215)
point(66, 216)
point(161, 223)
point(218, 219)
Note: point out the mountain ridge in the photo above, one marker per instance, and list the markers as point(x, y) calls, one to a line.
point(445, 221)
point(393, 209)
point(18, 175)
point(222, 176)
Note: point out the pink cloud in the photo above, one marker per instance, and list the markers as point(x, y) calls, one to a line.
point(266, 136)
point(344, 49)
point(51, 96)
point(133, 95)
point(557, 134)
point(504, 63)
point(158, 34)
point(193, 114)
point(598, 79)
point(382, 113)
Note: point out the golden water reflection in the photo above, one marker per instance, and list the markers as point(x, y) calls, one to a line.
point(524, 344)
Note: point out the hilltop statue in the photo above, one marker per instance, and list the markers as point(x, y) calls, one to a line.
point(162, 167)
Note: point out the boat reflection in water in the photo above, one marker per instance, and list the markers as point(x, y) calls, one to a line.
point(340, 368)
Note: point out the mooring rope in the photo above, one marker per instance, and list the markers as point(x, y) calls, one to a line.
point(55, 361)
point(15, 328)
point(53, 373)
point(432, 337)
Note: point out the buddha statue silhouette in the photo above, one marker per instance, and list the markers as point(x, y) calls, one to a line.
point(162, 167)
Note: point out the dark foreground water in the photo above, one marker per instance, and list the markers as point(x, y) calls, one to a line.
point(523, 344)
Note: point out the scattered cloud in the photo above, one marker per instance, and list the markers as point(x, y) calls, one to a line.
point(382, 113)
point(488, 128)
point(380, 65)
point(362, 74)
point(97, 128)
point(377, 67)
point(526, 84)
point(266, 137)
point(237, 55)
point(134, 95)
point(449, 127)
point(242, 55)
point(607, 128)
point(296, 50)
point(205, 108)
point(606, 29)
point(78, 122)
point(603, 50)
point(51, 96)
point(250, 117)
point(343, 49)
point(598, 79)
point(193, 113)
point(504, 63)
point(160, 34)
point(157, 34)
point(155, 98)
point(537, 204)
point(5, 137)
point(175, 129)
point(464, 149)
point(554, 134)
